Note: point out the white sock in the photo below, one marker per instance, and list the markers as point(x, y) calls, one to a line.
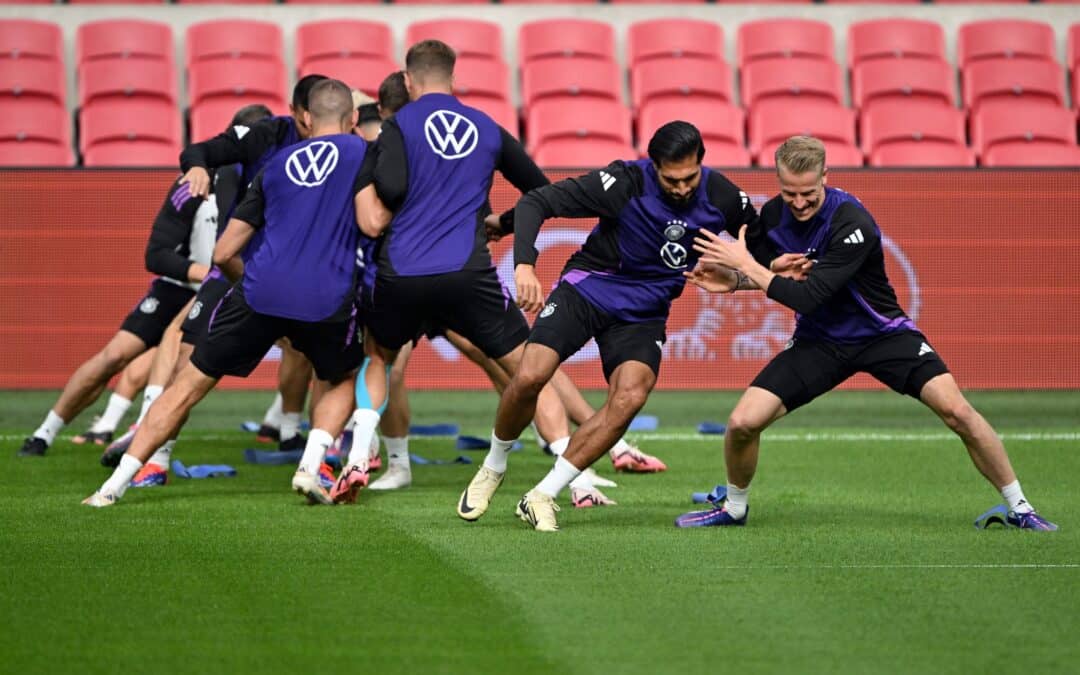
point(318, 442)
point(559, 477)
point(120, 479)
point(620, 447)
point(150, 394)
point(735, 504)
point(365, 421)
point(49, 428)
point(289, 425)
point(1014, 497)
point(114, 411)
point(497, 454)
point(559, 447)
point(272, 418)
point(163, 456)
point(397, 452)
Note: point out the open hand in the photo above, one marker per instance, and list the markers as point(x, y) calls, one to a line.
point(199, 180)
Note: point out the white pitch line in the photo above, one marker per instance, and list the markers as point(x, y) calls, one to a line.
point(902, 566)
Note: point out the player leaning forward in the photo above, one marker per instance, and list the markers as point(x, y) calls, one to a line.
point(617, 289)
point(848, 322)
point(298, 282)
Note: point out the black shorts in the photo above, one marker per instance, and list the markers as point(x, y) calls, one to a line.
point(472, 303)
point(238, 337)
point(568, 321)
point(154, 313)
point(206, 299)
point(903, 361)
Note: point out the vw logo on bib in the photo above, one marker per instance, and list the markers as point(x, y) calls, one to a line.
point(312, 164)
point(673, 255)
point(450, 135)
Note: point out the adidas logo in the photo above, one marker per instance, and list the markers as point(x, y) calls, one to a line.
point(607, 180)
point(854, 238)
point(660, 345)
point(925, 349)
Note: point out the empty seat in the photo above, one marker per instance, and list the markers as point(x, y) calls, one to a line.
point(547, 2)
point(1020, 121)
point(674, 38)
point(680, 79)
point(586, 78)
point(468, 37)
point(233, 39)
point(922, 153)
point(655, 2)
point(837, 154)
point(123, 39)
point(1014, 79)
point(501, 111)
point(137, 153)
point(333, 2)
point(721, 126)
point(35, 120)
point(1032, 154)
point(239, 78)
point(365, 74)
point(914, 79)
point(795, 77)
point(32, 78)
point(577, 119)
point(565, 38)
point(588, 153)
point(898, 120)
point(115, 2)
point(112, 121)
point(477, 78)
point(130, 78)
point(211, 117)
point(784, 38)
point(1072, 48)
point(225, 2)
point(15, 153)
point(29, 39)
point(1004, 39)
point(895, 39)
point(343, 39)
point(774, 120)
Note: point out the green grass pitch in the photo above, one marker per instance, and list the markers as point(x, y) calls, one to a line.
point(860, 556)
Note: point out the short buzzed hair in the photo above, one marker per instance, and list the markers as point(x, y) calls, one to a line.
point(430, 58)
point(393, 94)
point(302, 89)
point(800, 154)
point(330, 102)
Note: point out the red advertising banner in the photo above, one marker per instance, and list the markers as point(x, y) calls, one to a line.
point(984, 261)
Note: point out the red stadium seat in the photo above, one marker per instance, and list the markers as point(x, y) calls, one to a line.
point(123, 39)
point(469, 37)
point(110, 121)
point(115, 2)
point(799, 78)
point(784, 38)
point(33, 78)
point(895, 39)
point(896, 120)
point(333, 2)
point(365, 74)
point(1004, 39)
point(502, 112)
point(837, 154)
point(674, 39)
point(721, 126)
point(1020, 121)
point(29, 39)
point(26, 2)
point(1072, 49)
point(233, 39)
point(585, 78)
point(225, 2)
point(237, 78)
point(774, 120)
point(343, 39)
point(482, 78)
point(680, 79)
point(35, 120)
point(211, 117)
point(565, 38)
point(875, 2)
point(577, 119)
point(441, 2)
point(590, 153)
point(34, 153)
point(129, 78)
point(1032, 154)
point(910, 79)
point(138, 153)
point(655, 2)
point(547, 2)
point(1013, 79)
point(922, 153)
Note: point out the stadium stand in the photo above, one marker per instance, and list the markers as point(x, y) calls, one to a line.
point(1013, 79)
point(482, 78)
point(233, 39)
point(674, 39)
point(469, 37)
point(501, 111)
point(30, 39)
point(922, 153)
point(895, 39)
point(577, 118)
point(565, 38)
point(1021, 121)
point(264, 80)
point(1004, 39)
point(582, 153)
point(32, 78)
point(127, 79)
point(721, 126)
point(570, 78)
point(124, 39)
point(905, 79)
point(1032, 154)
point(343, 39)
point(784, 39)
point(34, 132)
point(364, 73)
point(772, 121)
point(108, 127)
point(678, 78)
point(918, 121)
point(794, 78)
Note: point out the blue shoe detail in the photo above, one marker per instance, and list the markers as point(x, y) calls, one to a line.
point(995, 516)
point(714, 517)
point(1030, 521)
point(717, 496)
point(155, 479)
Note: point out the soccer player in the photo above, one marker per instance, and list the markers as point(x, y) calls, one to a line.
point(617, 289)
point(298, 281)
point(848, 321)
point(132, 379)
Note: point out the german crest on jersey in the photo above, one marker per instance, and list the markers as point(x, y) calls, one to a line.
point(675, 230)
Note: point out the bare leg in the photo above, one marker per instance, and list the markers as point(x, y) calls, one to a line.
point(90, 379)
point(628, 390)
point(165, 360)
point(334, 406)
point(395, 421)
point(169, 411)
point(294, 376)
point(532, 366)
point(755, 411)
point(134, 377)
point(498, 376)
point(577, 408)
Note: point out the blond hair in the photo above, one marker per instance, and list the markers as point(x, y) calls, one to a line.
point(800, 154)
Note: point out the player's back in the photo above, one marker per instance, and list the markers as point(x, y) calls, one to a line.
point(451, 152)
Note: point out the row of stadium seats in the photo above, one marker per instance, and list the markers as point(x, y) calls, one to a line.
point(902, 87)
point(525, 2)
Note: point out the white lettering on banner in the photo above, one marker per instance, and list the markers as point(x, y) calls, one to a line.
point(450, 134)
point(312, 164)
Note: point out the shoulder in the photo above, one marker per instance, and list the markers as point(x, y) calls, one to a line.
point(723, 193)
point(618, 181)
point(851, 213)
point(772, 210)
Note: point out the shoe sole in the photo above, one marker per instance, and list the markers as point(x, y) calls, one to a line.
point(528, 521)
point(313, 497)
point(349, 495)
